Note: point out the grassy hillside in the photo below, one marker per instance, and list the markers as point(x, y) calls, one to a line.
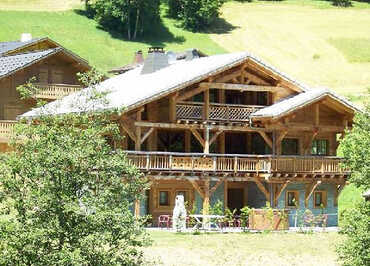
point(318, 44)
point(83, 36)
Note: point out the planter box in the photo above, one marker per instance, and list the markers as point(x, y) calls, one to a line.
point(260, 219)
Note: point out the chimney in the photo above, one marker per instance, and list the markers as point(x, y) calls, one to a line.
point(25, 37)
point(155, 60)
point(191, 54)
point(138, 58)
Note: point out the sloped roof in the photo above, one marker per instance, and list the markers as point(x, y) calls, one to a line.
point(6, 47)
point(10, 64)
point(303, 99)
point(132, 89)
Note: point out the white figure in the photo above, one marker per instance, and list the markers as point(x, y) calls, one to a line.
point(179, 214)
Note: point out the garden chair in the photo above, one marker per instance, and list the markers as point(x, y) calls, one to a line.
point(164, 220)
point(321, 220)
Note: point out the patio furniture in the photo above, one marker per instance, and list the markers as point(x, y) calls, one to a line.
point(164, 220)
point(309, 219)
point(206, 222)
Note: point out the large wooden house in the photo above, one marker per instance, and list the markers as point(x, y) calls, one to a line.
point(231, 128)
point(53, 66)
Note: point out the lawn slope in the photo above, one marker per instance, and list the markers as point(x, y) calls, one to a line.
point(311, 40)
point(83, 36)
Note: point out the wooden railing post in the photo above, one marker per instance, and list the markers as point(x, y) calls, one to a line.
point(147, 162)
point(235, 164)
point(215, 163)
point(170, 162)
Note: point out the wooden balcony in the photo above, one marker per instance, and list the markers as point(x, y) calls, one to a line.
point(217, 112)
point(55, 91)
point(195, 162)
point(6, 127)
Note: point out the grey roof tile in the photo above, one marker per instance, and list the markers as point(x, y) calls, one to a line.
point(290, 104)
point(10, 46)
point(9, 64)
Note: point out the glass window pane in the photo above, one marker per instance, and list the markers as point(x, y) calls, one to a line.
point(164, 198)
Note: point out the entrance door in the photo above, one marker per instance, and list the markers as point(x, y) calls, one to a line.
point(235, 199)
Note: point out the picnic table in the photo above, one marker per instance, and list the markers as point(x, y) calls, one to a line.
point(205, 222)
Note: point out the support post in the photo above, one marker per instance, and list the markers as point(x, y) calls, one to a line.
point(187, 141)
point(206, 105)
point(206, 140)
point(138, 132)
point(263, 189)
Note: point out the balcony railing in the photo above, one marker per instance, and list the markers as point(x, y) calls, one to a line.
point(55, 91)
point(165, 161)
point(6, 128)
point(220, 112)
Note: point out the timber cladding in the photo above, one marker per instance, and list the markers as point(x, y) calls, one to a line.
point(170, 188)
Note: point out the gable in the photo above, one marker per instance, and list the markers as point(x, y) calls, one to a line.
point(41, 44)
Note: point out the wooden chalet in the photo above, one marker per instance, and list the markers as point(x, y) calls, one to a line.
point(231, 128)
point(53, 66)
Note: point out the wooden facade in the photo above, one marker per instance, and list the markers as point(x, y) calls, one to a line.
point(204, 136)
point(55, 76)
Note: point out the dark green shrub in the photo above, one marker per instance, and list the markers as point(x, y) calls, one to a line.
point(174, 8)
point(342, 3)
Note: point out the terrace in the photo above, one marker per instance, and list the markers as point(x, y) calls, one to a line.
point(237, 163)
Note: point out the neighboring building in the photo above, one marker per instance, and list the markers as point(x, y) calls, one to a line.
point(53, 66)
point(231, 128)
point(139, 59)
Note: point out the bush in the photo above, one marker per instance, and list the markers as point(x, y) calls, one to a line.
point(68, 194)
point(355, 250)
point(195, 15)
point(342, 3)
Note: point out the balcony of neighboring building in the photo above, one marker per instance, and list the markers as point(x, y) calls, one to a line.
point(55, 91)
point(6, 129)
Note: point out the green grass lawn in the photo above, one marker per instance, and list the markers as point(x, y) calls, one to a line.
point(316, 43)
point(243, 249)
point(38, 5)
point(101, 48)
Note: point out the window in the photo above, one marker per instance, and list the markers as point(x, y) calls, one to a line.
point(319, 199)
point(261, 98)
point(292, 198)
point(320, 147)
point(290, 147)
point(164, 198)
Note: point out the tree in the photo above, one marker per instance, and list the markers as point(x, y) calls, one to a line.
point(195, 15)
point(70, 192)
point(355, 149)
point(130, 17)
point(355, 250)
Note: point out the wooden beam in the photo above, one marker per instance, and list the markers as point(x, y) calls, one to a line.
point(206, 140)
point(317, 114)
point(214, 137)
point(198, 136)
point(197, 188)
point(206, 105)
point(229, 77)
point(206, 199)
point(128, 131)
point(266, 138)
point(199, 126)
point(214, 188)
point(191, 93)
point(279, 191)
point(137, 208)
point(256, 79)
point(138, 132)
point(187, 141)
point(172, 108)
point(147, 134)
point(281, 136)
point(304, 127)
point(262, 188)
point(309, 190)
point(237, 87)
